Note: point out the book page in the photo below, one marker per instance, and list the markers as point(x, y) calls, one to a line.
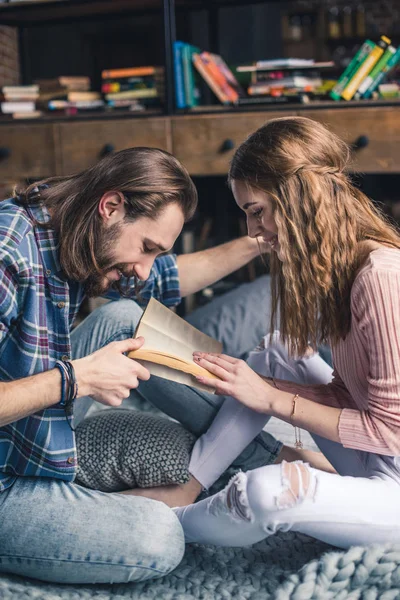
point(165, 331)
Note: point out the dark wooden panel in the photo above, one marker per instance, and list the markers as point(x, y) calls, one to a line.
point(205, 144)
point(82, 143)
point(30, 150)
point(380, 125)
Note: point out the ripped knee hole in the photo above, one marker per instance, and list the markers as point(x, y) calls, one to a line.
point(297, 480)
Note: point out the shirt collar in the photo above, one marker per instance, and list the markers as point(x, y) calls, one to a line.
point(47, 239)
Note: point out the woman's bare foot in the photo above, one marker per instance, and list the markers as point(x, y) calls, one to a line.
point(171, 495)
point(315, 459)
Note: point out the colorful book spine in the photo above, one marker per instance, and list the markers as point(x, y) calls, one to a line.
point(147, 93)
point(382, 62)
point(351, 68)
point(365, 68)
point(180, 99)
point(115, 86)
point(209, 79)
point(132, 72)
point(392, 62)
point(219, 76)
point(191, 93)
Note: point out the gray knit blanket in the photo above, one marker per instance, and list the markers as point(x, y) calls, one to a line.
point(287, 566)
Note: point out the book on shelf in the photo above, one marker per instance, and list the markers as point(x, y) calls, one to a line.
point(66, 105)
point(132, 84)
point(20, 91)
point(114, 86)
point(19, 99)
point(306, 84)
point(264, 66)
point(296, 97)
point(389, 90)
point(352, 67)
point(180, 99)
point(375, 72)
point(190, 76)
point(169, 345)
point(379, 80)
point(133, 94)
point(83, 96)
point(186, 83)
point(73, 83)
point(34, 114)
point(17, 107)
point(365, 67)
point(131, 72)
point(282, 63)
point(219, 77)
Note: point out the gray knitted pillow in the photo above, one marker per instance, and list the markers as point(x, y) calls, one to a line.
point(120, 449)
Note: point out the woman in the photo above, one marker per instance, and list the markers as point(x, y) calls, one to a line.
point(335, 269)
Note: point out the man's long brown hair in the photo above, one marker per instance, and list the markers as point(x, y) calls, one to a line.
point(321, 218)
point(149, 179)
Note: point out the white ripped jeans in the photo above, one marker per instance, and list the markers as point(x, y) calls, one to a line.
point(357, 506)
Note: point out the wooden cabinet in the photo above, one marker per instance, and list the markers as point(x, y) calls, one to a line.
point(83, 143)
point(26, 151)
point(203, 143)
point(206, 143)
point(374, 134)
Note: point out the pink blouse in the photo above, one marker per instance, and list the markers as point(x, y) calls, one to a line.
point(366, 383)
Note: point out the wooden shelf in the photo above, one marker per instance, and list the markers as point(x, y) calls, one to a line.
point(204, 110)
point(30, 13)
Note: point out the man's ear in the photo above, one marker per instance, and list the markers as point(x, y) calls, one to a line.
point(112, 207)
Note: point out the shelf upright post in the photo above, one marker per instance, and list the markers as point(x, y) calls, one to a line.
point(169, 39)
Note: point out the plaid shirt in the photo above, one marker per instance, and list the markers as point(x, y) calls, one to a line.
point(37, 308)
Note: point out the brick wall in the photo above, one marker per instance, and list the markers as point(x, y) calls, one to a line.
point(9, 58)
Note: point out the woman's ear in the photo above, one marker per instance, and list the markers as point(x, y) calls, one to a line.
point(112, 207)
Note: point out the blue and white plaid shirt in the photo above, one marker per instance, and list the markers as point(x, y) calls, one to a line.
point(37, 308)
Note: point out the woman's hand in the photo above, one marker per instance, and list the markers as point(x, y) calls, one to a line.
point(237, 379)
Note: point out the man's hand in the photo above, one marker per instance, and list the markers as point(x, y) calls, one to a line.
point(108, 375)
point(236, 379)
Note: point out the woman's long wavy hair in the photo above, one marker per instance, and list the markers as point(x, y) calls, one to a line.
point(149, 179)
point(321, 218)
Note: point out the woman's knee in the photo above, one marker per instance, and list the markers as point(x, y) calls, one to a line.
point(261, 493)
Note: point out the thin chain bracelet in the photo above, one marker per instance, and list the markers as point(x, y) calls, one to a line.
point(297, 433)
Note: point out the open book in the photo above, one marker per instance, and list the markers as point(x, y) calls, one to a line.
point(169, 345)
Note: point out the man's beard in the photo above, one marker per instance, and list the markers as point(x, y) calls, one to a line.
point(96, 284)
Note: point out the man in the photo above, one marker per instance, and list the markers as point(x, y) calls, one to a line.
point(97, 232)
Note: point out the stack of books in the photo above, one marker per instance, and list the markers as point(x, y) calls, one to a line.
point(19, 101)
point(285, 77)
point(68, 94)
point(135, 88)
point(275, 81)
point(365, 74)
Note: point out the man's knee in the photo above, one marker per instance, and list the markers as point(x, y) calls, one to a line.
point(164, 545)
point(117, 317)
point(124, 310)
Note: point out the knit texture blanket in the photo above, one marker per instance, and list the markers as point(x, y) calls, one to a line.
point(287, 566)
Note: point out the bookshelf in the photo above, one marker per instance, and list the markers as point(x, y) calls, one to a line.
point(203, 139)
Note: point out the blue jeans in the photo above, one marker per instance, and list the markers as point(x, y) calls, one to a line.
point(62, 532)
